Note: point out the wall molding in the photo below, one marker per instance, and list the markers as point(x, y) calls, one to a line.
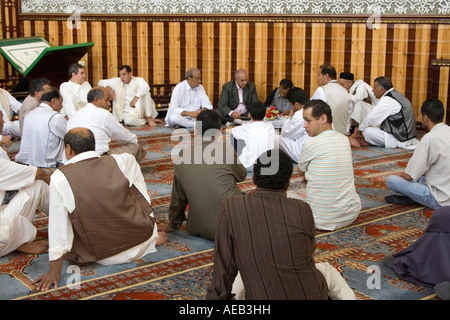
point(384, 11)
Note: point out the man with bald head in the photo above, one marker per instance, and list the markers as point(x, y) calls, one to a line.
point(100, 209)
point(96, 117)
point(235, 97)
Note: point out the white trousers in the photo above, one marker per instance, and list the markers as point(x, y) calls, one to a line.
point(338, 289)
point(182, 121)
point(16, 217)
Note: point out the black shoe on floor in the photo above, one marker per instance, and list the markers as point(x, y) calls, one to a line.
point(394, 199)
point(389, 261)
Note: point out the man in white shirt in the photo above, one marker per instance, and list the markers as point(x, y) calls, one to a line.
point(362, 99)
point(331, 92)
point(9, 104)
point(132, 103)
point(96, 117)
point(391, 123)
point(43, 134)
point(426, 179)
point(75, 90)
point(293, 135)
point(113, 187)
point(253, 138)
point(23, 190)
point(188, 99)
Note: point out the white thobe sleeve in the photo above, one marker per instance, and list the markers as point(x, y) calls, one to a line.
point(62, 202)
point(143, 89)
point(117, 131)
point(15, 176)
point(13, 103)
point(205, 102)
point(384, 108)
point(293, 128)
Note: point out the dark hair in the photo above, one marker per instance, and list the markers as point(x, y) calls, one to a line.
point(37, 85)
point(281, 175)
point(329, 70)
point(319, 107)
point(385, 82)
point(53, 93)
point(73, 68)
point(95, 93)
point(126, 67)
point(286, 84)
point(208, 120)
point(258, 110)
point(80, 140)
point(297, 95)
point(433, 109)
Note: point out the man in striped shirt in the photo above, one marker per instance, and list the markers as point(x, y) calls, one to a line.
point(426, 179)
point(326, 165)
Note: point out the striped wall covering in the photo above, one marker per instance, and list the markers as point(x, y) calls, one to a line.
point(161, 51)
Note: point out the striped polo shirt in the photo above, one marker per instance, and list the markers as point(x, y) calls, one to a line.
point(326, 160)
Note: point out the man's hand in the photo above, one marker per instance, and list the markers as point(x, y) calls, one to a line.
point(133, 102)
point(235, 115)
point(45, 281)
point(6, 141)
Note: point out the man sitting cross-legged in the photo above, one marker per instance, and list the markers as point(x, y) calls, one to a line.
point(99, 209)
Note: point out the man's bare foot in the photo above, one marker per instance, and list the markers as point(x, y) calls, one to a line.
point(162, 238)
point(153, 122)
point(354, 142)
point(34, 247)
point(164, 227)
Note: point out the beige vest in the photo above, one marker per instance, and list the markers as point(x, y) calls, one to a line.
point(5, 102)
point(339, 100)
point(110, 216)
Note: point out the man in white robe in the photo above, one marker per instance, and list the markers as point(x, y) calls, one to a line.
point(74, 91)
point(188, 100)
point(132, 103)
point(23, 189)
point(362, 100)
point(9, 105)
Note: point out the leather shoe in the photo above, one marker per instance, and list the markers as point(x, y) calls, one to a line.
point(395, 199)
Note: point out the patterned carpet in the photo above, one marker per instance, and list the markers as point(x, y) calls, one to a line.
point(182, 268)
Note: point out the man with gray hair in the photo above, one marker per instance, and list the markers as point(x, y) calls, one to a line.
point(188, 100)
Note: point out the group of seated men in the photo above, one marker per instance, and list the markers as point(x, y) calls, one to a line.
point(317, 134)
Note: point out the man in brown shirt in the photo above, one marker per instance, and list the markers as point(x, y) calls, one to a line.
point(268, 238)
point(204, 175)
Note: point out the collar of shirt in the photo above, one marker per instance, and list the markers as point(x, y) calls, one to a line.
point(387, 92)
point(83, 156)
point(45, 105)
point(188, 87)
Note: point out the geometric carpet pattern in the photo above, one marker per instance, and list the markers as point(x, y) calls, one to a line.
point(181, 269)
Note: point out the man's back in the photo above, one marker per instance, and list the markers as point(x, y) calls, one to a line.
point(204, 183)
point(42, 139)
point(259, 136)
point(103, 124)
point(326, 160)
point(338, 99)
point(432, 159)
point(273, 252)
